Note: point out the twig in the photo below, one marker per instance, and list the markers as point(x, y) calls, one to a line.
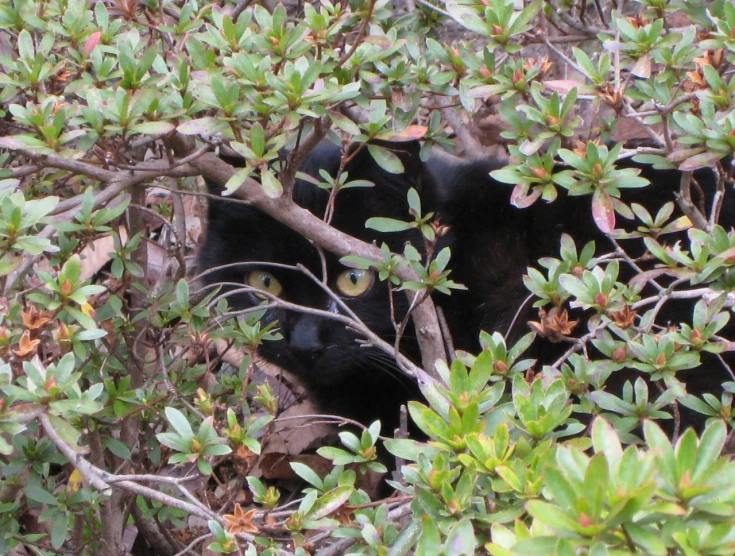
point(684, 199)
point(446, 334)
point(24, 171)
point(87, 470)
point(239, 9)
point(707, 294)
point(360, 35)
point(102, 480)
point(578, 343)
point(469, 143)
point(189, 549)
point(620, 252)
point(297, 156)
point(434, 8)
point(719, 197)
point(571, 63)
point(518, 314)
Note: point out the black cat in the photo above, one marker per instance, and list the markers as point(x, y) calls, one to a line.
point(342, 376)
point(492, 245)
point(494, 242)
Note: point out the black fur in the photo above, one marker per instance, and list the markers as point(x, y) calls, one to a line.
point(492, 245)
point(494, 242)
point(342, 376)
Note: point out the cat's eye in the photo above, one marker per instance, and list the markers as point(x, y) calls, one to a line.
point(264, 281)
point(353, 282)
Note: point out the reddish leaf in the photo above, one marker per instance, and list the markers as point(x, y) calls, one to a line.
point(699, 161)
point(602, 211)
point(644, 277)
point(410, 133)
point(91, 42)
point(521, 199)
point(11, 143)
point(682, 154)
point(562, 85)
point(383, 42)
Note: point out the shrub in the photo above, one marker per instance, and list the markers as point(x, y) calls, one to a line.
point(112, 111)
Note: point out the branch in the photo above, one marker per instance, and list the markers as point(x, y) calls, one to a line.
point(298, 155)
point(471, 145)
point(360, 36)
point(101, 480)
point(88, 471)
point(75, 166)
point(684, 198)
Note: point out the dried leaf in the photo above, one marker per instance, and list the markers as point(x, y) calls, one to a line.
point(602, 211)
point(561, 85)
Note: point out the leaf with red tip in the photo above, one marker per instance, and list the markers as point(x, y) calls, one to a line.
point(602, 211)
point(91, 42)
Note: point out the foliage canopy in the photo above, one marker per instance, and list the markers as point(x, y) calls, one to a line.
point(110, 112)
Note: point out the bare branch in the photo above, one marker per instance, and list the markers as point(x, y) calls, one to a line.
point(684, 198)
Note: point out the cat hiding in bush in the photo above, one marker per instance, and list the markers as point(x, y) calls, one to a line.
point(492, 245)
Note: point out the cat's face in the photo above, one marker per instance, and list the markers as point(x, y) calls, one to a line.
point(342, 374)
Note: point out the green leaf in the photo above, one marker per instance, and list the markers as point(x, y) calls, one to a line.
point(710, 449)
point(406, 540)
point(414, 202)
point(120, 449)
point(174, 441)
point(60, 530)
point(430, 541)
point(39, 494)
point(67, 432)
point(386, 159)
point(306, 473)
point(152, 128)
point(86, 321)
point(382, 224)
point(257, 140)
point(35, 245)
point(343, 122)
point(203, 126)
point(461, 539)
point(330, 502)
point(179, 422)
point(408, 449)
point(552, 516)
point(271, 185)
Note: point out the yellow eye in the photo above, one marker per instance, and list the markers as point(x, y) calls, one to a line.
point(266, 282)
point(353, 282)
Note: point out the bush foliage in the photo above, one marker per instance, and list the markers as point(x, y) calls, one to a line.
point(119, 434)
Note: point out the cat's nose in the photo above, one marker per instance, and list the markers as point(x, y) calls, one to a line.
point(304, 341)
